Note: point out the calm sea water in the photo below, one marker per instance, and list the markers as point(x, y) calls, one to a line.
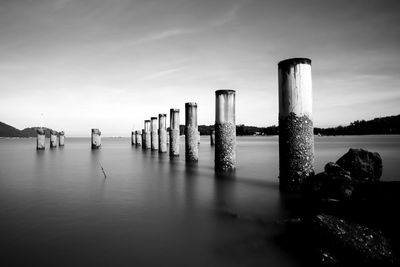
point(56, 208)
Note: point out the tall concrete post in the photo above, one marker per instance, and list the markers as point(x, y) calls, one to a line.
point(147, 135)
point(167, 137)
point(41, 139)
point(96, 138)
point(296, 138)
point(138, 137)
point(212, 138)
point(162, 133)
point(133, 138)
point(191, 133)
point(61, 138)
point(53, 139)
point(174, 132)
point(154, 133)
point(225, 130)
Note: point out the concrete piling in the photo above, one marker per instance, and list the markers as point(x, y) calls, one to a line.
point(138, 138)
point(162, 133)
point(225, 130)
point(212, 138)
point(96, 138)
point(41, 139)
point(61, 138)
point(154, 133)
point(53, 139)
point(133, 138)
point(191, 133)
point(174, 132)
point(296, 138)
point(147, 135)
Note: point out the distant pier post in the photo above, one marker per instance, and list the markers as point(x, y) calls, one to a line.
point(61, 138)
point(162, 132)
point(212, 138)
point(96, 138)
point(225, 130)
point(174, 132)
point(191, 133)
point(296, 138)
point(147, 135)
point(138, 138)
point(41, 139)
point(133, 138)
point(154, 133)
point(53, 139)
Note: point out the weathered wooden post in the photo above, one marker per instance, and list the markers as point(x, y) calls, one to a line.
point(225, 130)
point(146, 135)
point(41, 139)
point(53, 139)
point(212, 138)
point(154, 133)
point(191, 133)
point(174, 132)
point(296, 138)
point(133, 138)
point(162, 132)
point(138, 138)
point(61, 138)
point(96, 138)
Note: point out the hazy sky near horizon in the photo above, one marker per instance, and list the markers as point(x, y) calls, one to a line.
point(111, 64)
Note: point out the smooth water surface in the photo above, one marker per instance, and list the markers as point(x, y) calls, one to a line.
point(57, 209)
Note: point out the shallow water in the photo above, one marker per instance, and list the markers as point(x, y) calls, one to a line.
point(57, 209)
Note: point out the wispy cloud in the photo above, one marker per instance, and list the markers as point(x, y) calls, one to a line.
point(162, 73)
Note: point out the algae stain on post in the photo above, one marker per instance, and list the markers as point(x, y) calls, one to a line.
point(191, 133)
point(225, 130)
point(138, 138)
point(61, 138)
point(53, 139)
point(41, 139)
point(96, 139)
point(296, 137)
point(174, 132)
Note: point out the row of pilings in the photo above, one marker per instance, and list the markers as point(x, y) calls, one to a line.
point(296, 139)
point(54, 137)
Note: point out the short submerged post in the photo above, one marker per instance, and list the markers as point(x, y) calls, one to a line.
point(191, 133)
point(96, 138)
point(53, 139)
point(296, 138)
point(225, 130)
point(147, 135)
point(174, 132)
point(61, 138)
point(41, 139)
point(133, 138)
point(212, 138)
point(162, 132)
point(138, 138)
point(154, 133)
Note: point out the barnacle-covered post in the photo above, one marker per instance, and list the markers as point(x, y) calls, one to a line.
point(191, 133)
point(225, 130)
point(41, 139)
point(296, 138)
point(133, 138)
point(96, 138)
point(138, 138)
point(174, 132)
point(162, 133)
point(61, 138)
point(147, 135)
point(212, 138)
point(53, 139)
point(154, 133)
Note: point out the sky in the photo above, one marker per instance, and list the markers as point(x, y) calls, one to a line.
point(112, 64)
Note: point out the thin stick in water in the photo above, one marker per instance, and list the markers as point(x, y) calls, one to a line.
point(102, 169)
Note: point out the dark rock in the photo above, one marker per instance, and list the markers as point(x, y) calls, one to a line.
point(363, 165)
point(351, 242)
point(334, 183)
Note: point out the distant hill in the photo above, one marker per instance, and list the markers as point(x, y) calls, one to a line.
point(9, 131)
